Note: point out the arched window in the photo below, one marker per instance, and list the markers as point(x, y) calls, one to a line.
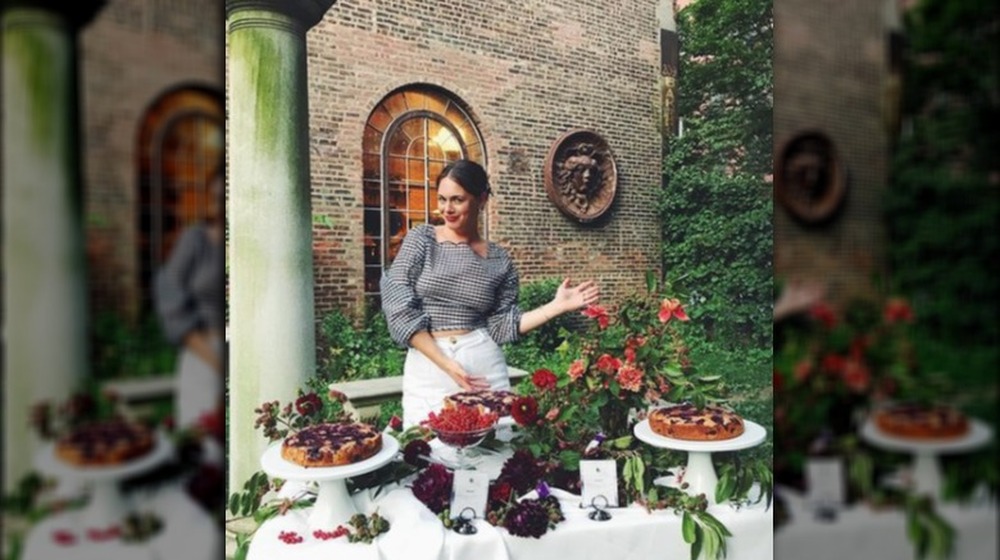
point(180, 148)
point(409, 138)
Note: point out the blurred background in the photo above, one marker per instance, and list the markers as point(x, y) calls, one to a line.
point(885, 247)
point(112, 119)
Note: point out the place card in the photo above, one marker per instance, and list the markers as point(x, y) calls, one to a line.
point(470, 489)
point(825, 481)
point(599, 478)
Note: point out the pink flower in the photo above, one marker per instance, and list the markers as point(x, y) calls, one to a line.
point(608, 364)
point(577, 369)
point(396, 423)
point(544, 379)
point(630, 378)
point(671, 307)
point(552, 414)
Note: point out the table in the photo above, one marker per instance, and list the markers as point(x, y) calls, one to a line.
point(417, 534)
point(188, 533)
point(861, 532)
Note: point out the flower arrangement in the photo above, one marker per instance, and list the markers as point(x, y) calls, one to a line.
point(507, 505)
point(628, 361)
point(834, 365)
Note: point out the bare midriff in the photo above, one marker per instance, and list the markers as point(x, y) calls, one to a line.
point(447, 333)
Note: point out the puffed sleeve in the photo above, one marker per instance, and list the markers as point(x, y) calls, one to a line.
point(404, 312)
point(505, 321)
point(175, 304)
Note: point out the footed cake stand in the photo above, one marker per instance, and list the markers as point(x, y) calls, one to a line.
point(106, 506)
point(334, 505)
point(926, 467)
point(699, 472)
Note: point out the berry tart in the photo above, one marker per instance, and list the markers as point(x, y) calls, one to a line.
point(915, 421)
point(332, 445)
point(498, 401)
point(687, 422)
point(105, 443)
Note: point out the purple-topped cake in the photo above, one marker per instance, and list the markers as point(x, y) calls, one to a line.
point(485, 400)
point(332, 445)
point(915, 421)
point(104, 443)
point(686, 421)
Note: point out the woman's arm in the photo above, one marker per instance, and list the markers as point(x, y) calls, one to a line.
point(566, 300)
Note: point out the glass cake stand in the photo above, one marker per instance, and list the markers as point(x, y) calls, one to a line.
point(334, 505)
point(699, 472)
point(106, 506)
point(926, 467)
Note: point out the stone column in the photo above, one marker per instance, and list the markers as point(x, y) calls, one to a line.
point(271, 320)
point(44, 279)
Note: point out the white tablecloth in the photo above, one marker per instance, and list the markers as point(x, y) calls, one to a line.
point(859, 532)
point(188, 533)
point(417, 534)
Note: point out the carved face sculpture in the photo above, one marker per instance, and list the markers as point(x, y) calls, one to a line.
point(580, 176)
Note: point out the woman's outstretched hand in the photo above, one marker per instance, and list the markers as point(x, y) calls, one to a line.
point(569, 299)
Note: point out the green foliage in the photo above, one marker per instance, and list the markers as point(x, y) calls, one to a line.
point(943, 204)
point(120, 349)
point(537, 349)
point(350, 352)
point(716, 205)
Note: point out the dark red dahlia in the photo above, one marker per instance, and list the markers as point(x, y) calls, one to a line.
point(528, 518)
point(522, 471)
point(433, 487)
point(525, 411)
point(308, 404)
point(544, 379)
point(415, 451)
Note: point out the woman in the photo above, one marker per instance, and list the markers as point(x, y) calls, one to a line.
point(189, 300)
point(451, 297)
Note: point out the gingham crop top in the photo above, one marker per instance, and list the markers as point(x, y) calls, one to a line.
point(442, 285)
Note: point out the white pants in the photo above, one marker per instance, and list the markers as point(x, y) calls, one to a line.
point(199, 387)
point(425, 385)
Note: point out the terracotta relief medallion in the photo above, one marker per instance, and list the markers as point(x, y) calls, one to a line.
point(580, 175)
point(809, 179)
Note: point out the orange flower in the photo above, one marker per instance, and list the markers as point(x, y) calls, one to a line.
point(630, 378)
point(577, 369)
point(671, 307)
point(802, 370)
point(608, 364)
point(856, 376)
point(599, 313)
point(898, 310)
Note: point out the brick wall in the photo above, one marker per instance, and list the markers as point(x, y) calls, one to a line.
point(527, 72)
point(131, 53)
point(830, 63)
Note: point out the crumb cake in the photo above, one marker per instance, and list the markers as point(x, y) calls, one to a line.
point(685, 421)
point(332, 445)
point(486, 401)
point(105, 443)
point(914, 421)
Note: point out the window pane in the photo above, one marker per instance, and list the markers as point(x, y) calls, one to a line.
point(372, 194)
point(395, 105)
point(372, 275)
point(415, 171)
point(372, 167)
point(373, 222)
point(380, 118)
point(415, 100)
point(371, 143)
point(414, 128)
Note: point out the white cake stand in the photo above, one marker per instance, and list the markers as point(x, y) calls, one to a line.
point(106, 505)
point(926, 467)
point(699, 472)
point(334, 505)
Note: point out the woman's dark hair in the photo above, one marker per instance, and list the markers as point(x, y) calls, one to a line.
point(469, 174)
